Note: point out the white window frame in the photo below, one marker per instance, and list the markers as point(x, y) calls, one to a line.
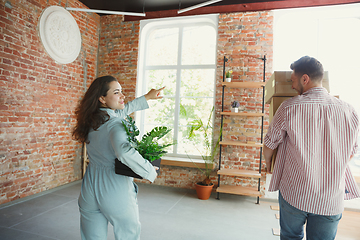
point(146, 27)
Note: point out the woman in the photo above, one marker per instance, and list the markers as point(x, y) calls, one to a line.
point(105, 196)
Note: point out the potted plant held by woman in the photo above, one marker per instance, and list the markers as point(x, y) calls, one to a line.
point(211, 148)
point(149, 146)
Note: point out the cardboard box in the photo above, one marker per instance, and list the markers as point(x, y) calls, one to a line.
point(280, 84)
point(275, 103)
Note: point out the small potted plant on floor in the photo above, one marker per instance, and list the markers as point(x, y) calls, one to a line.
point(148, 147)
point(205, 130)
point(235, 106)
point(228, 76)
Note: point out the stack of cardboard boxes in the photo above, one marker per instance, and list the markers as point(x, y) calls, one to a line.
point(279, 88)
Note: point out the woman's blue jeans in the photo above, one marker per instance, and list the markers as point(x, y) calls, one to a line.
point(318, 227)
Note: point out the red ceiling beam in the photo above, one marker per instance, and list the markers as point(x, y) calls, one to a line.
point(260, 6)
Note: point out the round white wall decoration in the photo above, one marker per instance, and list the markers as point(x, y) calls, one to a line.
point(60, 34)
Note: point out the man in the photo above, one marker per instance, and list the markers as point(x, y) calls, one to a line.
point(316, 135)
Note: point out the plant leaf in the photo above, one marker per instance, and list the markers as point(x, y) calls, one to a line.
point(148, 147)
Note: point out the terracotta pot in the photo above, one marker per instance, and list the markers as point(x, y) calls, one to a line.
point(203, 192)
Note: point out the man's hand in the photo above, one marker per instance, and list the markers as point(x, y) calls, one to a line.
point(268, 152)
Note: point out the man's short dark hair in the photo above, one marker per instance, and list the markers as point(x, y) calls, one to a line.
point(310, 66)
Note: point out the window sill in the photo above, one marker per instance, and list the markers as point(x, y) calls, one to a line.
point(182, 162)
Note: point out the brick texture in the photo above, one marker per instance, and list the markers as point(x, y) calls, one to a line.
point(38, 97)
point(242, 37)
point(118, 52)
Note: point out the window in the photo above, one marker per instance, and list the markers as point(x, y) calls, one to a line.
point(180, 54)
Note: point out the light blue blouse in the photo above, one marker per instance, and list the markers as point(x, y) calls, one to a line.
point(110, 141)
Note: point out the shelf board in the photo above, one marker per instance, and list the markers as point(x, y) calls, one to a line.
point(239, 173)
point(243, 114)
point(244, 84)
point(235, 143)
point(238, 190)
point(189, 164)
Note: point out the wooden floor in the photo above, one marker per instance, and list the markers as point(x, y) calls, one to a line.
point(349, 226)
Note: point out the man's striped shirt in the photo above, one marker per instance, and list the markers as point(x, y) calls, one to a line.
point(316, 134)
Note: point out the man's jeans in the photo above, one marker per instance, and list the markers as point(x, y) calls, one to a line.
point(318, 227)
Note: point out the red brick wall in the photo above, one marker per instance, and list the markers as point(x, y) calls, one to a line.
point(38, 97)
point(118, 52)
point(240, 36)
point(243, 38)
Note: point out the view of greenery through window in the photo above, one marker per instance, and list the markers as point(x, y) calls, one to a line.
point(180, 56)
point(332, 35)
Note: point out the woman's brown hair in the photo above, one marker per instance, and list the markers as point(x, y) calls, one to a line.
point(88, 113)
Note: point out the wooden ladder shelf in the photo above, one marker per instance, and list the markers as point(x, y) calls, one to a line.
point(240, 190)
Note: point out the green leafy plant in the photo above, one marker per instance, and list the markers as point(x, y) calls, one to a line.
point(228, 74)
point(211, 147)
point(149, 146)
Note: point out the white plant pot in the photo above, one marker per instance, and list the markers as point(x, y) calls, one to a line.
point(228, 79)
point(234, 110)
